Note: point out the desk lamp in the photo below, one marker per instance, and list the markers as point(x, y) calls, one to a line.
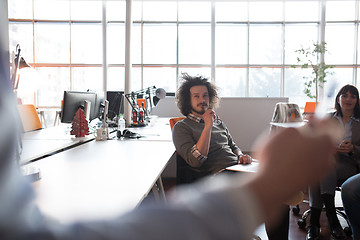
point(103, 132)
point(146, 93)
point(159, 94)
point(152, 96)
point(18, 63)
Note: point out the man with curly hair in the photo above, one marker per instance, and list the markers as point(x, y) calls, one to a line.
point(205, 143)
point(201, 139)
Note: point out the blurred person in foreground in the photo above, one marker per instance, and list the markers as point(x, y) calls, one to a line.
point(226, 207)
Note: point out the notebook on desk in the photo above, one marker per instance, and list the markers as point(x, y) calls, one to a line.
point(252, 167)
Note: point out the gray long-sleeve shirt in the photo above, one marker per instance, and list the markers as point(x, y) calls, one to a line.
point(186, 134)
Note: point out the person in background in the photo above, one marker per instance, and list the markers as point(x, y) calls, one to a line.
point(205, 142)
point(201, 139)
point(350, 194)
point(347, 164)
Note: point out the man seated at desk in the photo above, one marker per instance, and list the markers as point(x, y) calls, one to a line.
point(204, 141)
point(201, 139)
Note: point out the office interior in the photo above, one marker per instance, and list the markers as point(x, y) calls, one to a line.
point(247, 48)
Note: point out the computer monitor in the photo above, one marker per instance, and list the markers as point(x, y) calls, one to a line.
point(73, 100)
point(116, 103)
point(99, 105)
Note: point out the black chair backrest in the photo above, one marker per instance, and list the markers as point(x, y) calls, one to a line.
point(185, 173)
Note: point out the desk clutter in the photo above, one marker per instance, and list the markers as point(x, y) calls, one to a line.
point(127, 134)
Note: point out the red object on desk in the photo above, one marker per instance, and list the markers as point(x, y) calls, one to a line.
point(79, 126)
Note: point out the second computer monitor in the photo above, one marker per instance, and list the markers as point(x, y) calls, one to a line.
point(116, 103)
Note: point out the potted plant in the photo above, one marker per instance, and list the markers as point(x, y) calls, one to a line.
point(313, 57)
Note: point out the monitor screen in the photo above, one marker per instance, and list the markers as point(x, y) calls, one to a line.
point(116, 103)
point(73, 100)
point(99, 105)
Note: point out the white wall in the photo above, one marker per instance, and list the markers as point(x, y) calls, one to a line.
point(246, 119)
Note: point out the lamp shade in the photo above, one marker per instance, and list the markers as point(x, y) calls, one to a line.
point(18, 63)
point(23, 63)
point(160, 93)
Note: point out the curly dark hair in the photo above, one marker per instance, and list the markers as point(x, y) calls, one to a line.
point(353, 90)
point(183, 98)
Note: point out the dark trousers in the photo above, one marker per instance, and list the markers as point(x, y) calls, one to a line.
point(281, 230)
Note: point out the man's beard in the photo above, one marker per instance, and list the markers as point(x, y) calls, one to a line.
point(203, 110)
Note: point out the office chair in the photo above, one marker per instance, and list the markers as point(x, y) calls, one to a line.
point(286, 113)
point(29, 117)
point(339, 211)
point(174, 120)
point(184, 172)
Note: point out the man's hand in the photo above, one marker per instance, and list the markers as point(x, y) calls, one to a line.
point(245, 159)
point(209, 117)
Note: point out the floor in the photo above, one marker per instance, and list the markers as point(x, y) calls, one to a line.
point(295, 232)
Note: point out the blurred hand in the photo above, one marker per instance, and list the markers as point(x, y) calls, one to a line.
point(297, 157)
point(290, 160)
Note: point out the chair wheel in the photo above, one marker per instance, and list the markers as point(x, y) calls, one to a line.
point(348, 231)
point(296, 210)
point(301, 223)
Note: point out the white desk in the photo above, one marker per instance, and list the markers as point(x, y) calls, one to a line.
point(157, 130)
point(99, 179)
point(252, 167)
point(289, 124)
point(40, 143)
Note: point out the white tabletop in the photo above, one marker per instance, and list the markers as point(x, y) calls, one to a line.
point(158, 129)
point(59, 132)
point(99, 179)
point(252, 167)
point(39, 143)
point(288, 124)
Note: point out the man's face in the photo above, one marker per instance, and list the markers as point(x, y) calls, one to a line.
point(199, 99)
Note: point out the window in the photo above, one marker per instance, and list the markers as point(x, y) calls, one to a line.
point(254, 45)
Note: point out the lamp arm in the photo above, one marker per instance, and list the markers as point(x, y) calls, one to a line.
point(14, 79)
point(127, 98)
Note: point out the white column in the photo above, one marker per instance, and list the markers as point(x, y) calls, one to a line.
point(128, 65)
point(104, 38)
point(213, 66)
point(322, 39)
